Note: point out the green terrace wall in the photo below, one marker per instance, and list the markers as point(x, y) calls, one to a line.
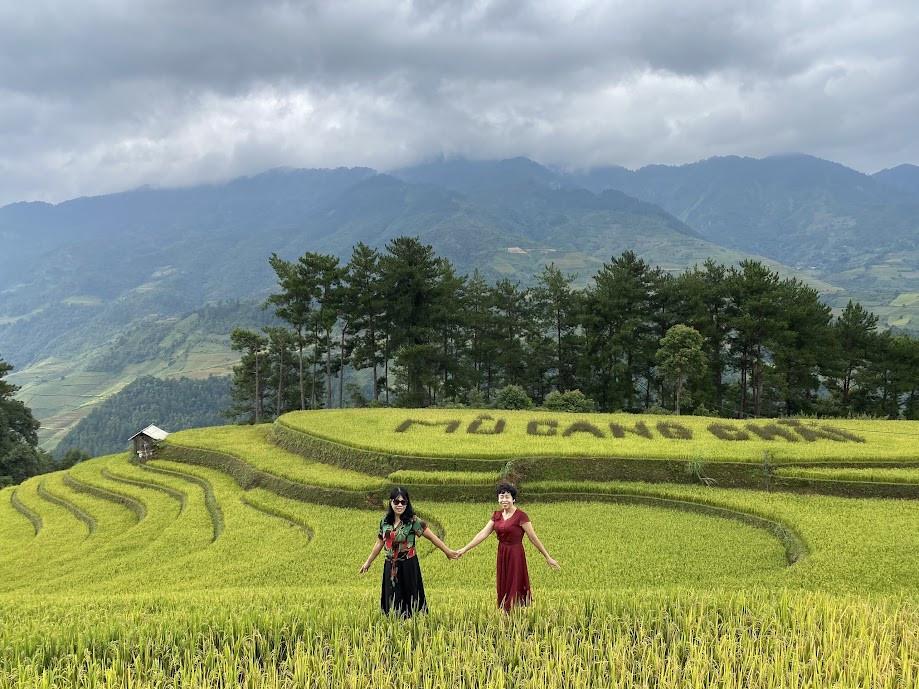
point(724, 474)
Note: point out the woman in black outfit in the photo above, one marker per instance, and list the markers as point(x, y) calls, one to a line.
point(403, 589)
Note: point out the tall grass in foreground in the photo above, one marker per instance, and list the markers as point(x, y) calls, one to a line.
point(329, 638)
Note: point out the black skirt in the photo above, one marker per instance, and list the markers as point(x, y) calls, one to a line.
point(406, 596)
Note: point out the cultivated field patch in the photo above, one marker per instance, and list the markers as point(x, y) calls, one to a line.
point(202, 567)
point(508, 434)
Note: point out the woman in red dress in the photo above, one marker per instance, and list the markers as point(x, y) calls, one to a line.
point(510, 523)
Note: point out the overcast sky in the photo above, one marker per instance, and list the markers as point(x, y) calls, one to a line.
point(99, 96)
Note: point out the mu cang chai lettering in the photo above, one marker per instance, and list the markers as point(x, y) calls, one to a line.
point(788, 430)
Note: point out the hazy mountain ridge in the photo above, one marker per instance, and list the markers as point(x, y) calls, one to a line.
point(80, 274)
point(797, 209)
point(179, 249)
point(903, 177)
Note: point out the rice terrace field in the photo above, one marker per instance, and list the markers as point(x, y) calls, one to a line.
point(695, 552)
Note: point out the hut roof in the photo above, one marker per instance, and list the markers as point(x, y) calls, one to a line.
point(151, 431)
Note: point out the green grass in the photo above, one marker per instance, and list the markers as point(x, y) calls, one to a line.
point(849, 551)
point(446, 478)
point(873, 475)
point(649, 594)
point(249, 444)
point(259, 550)
point(376, 429)
point(602, 546)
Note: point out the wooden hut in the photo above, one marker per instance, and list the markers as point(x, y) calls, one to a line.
point(145, 441)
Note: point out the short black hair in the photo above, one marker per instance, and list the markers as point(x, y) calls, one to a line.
point(505, 487)
point(407, 515)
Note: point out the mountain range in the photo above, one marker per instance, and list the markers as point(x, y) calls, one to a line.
point(161, 273)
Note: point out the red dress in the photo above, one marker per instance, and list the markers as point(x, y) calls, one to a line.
point(513, 578)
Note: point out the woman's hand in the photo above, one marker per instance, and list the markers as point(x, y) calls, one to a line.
point(364, 568)
point(451, 554)
point(460, 552)
point(552, 563)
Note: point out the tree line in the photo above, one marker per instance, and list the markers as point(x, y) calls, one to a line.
point(401, 327)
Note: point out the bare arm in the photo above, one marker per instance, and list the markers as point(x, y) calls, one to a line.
point(534, 539)
point(432, 537)
point(478, 538)
point(377, 547)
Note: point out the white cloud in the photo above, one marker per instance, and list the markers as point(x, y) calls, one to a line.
point(101, 96)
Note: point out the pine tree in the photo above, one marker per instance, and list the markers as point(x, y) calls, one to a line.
point(410, 274)
point(366, 311)
point(854, 333)
point(248, 383)
point(293, 304)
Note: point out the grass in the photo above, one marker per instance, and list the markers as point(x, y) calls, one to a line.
point(648, 594)
point(249, 443)
point(602, 546)
point(445, 478)
point(376, 429)
point(284, 639)
point(848, 550)
point(258, 550)
point(873, 475)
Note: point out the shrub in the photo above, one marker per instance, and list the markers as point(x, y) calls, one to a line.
point(512, 397)
point(658, 410)
point(570, 401)
point(450, 403)
point(476, 400)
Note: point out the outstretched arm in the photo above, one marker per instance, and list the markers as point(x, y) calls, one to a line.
point(377, 547)
point(479, 537)
point(534, 539)
point(432, 537)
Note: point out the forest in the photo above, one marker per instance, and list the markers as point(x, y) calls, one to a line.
point(172, 404)
point(401, 327)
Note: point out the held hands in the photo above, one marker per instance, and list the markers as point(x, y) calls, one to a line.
point(364, 568)
point(452, 554)
point(552, 563)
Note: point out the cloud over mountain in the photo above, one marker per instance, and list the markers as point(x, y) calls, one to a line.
point(101, 96)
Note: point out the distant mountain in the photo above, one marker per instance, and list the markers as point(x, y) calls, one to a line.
point(481, 178)
point(101, 247)
point(857, 231)
point(95, 292)
point(797, 209)
point(83, 362)
point(90, 266)
point(902, 177)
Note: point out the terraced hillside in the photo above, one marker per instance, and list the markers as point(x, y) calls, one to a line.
point(231, 558)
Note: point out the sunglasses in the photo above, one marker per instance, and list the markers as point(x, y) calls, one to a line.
point(398, 501)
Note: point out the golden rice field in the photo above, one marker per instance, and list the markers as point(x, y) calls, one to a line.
point(450, 433)
point(182, 573)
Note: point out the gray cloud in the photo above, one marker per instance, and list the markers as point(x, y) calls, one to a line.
point(100, 96)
